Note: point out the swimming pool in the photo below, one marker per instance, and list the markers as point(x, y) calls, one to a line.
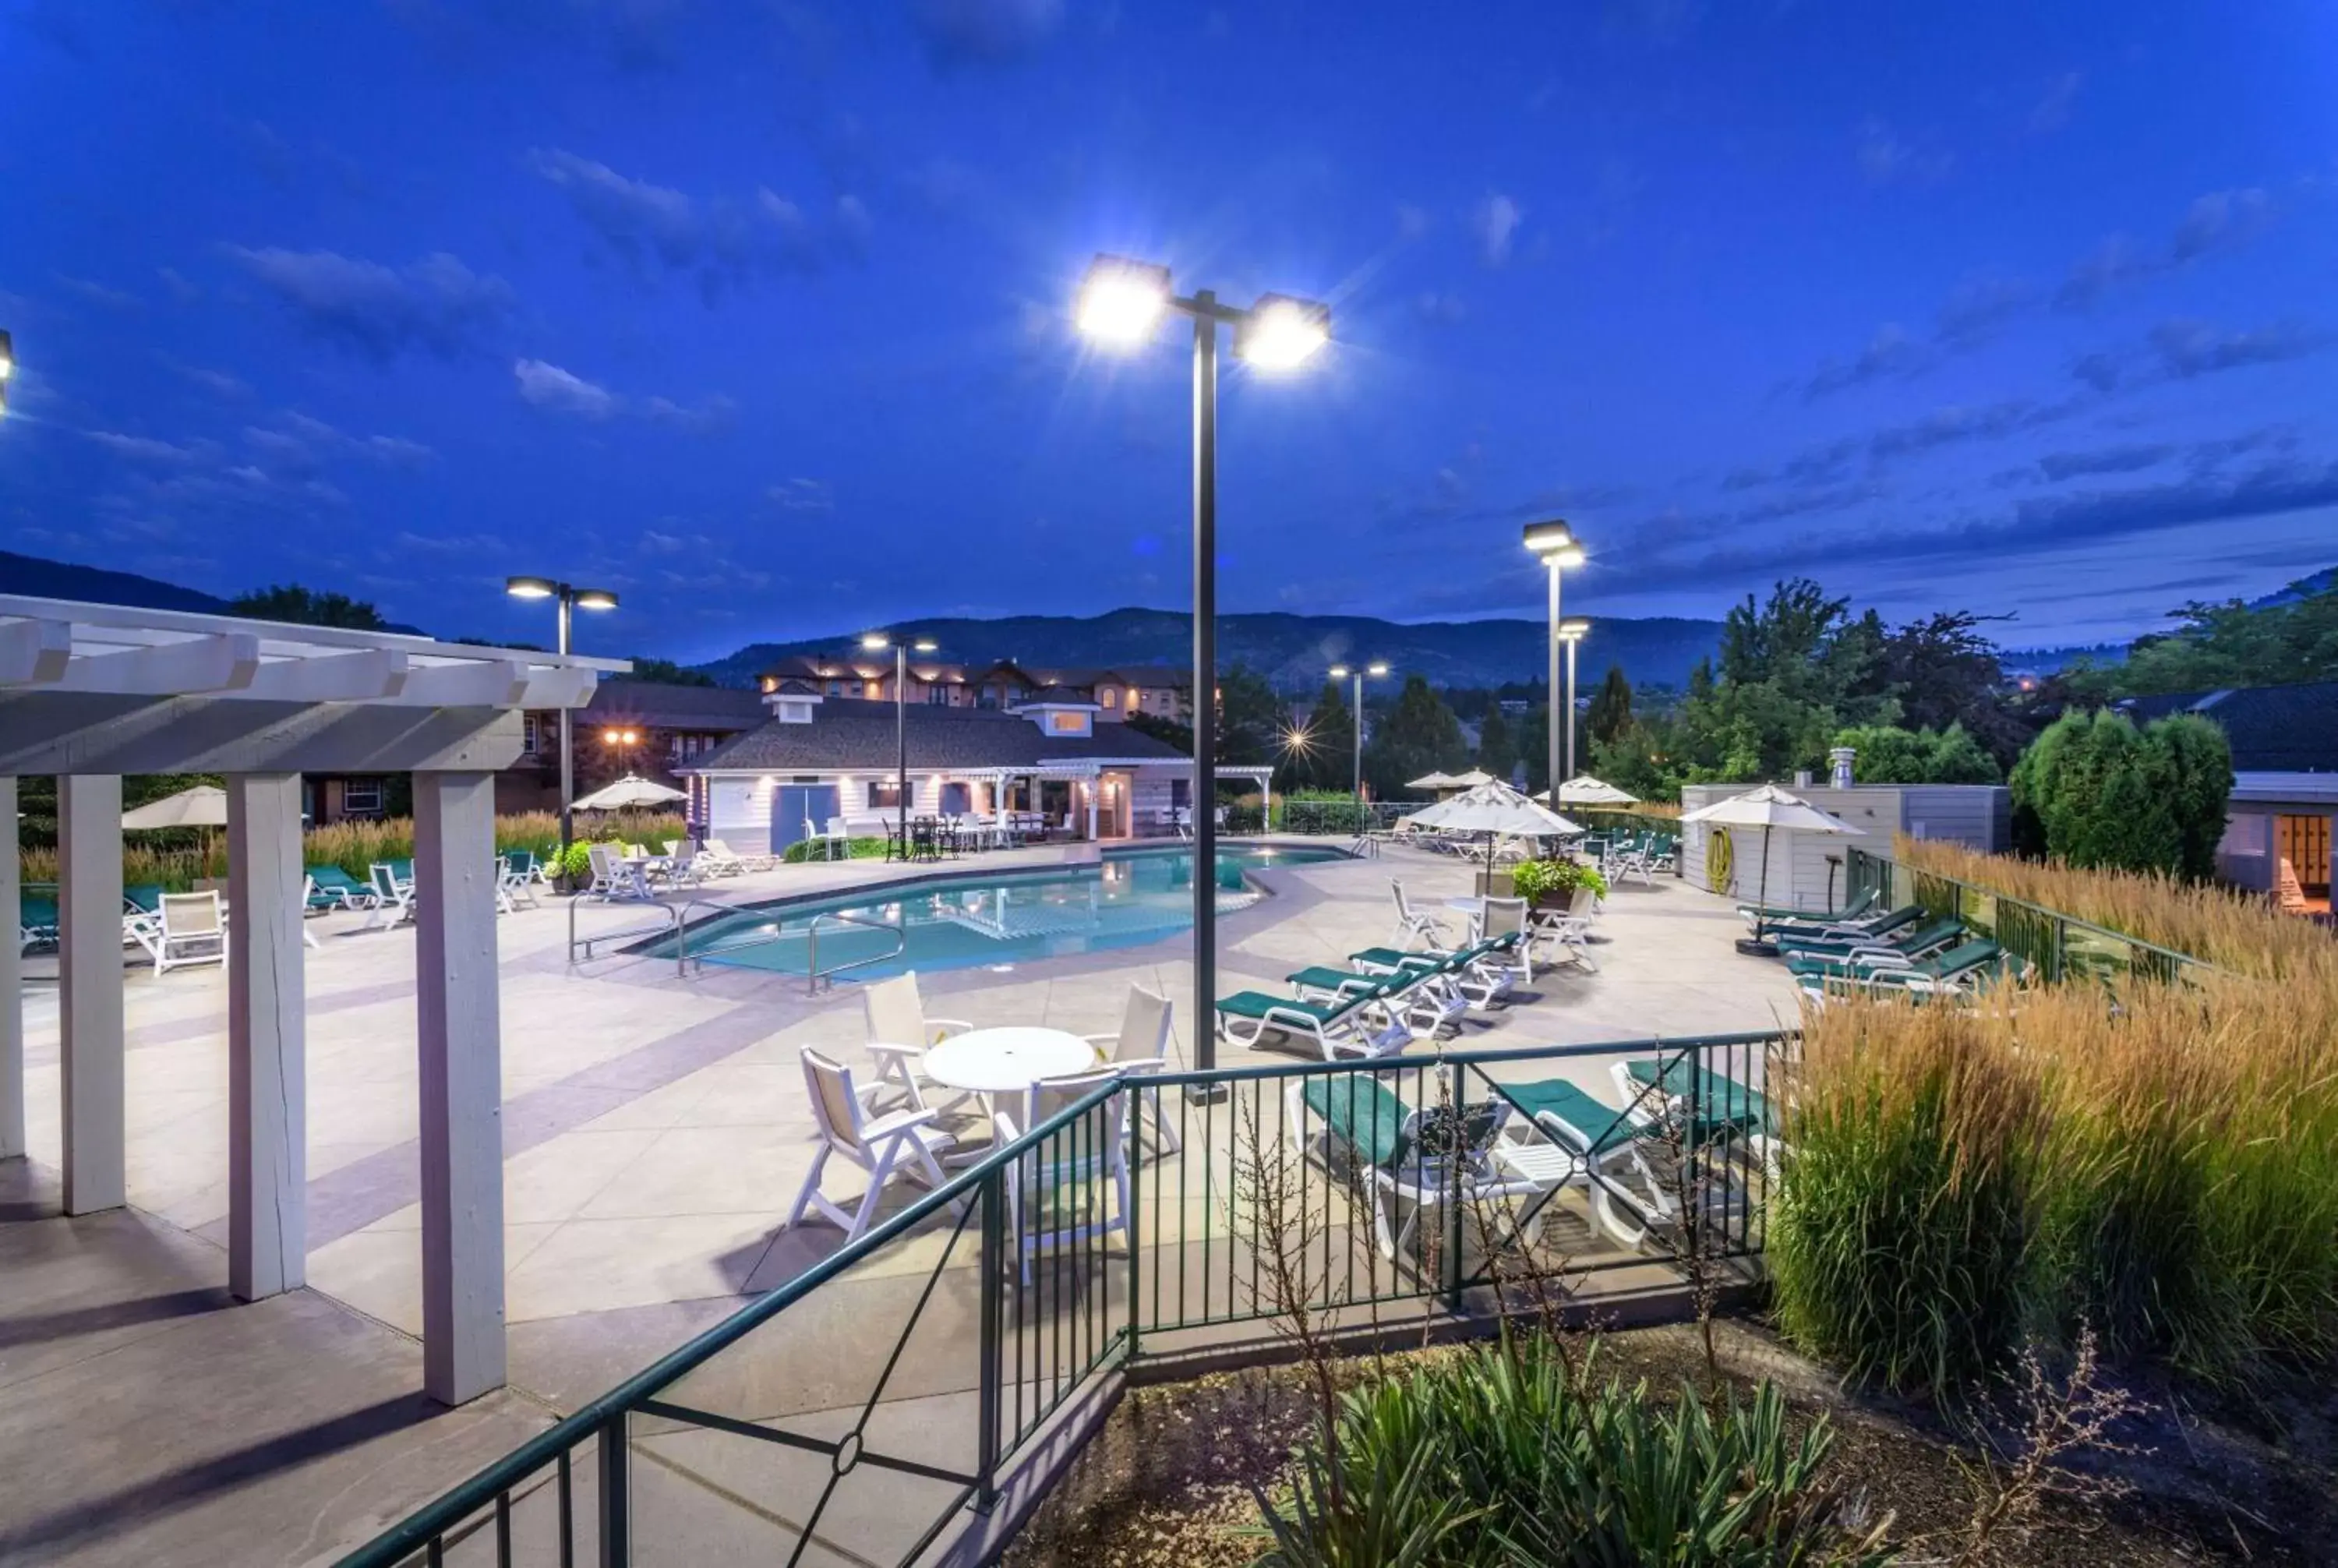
point(990, 921)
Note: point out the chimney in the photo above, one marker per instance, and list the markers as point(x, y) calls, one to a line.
point(1841, 757)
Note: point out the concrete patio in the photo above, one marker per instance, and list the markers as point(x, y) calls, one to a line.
point(654, 1132)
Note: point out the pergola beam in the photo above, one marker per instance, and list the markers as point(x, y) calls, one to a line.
point(34, 652)
point(59, 732)
point(226, 662)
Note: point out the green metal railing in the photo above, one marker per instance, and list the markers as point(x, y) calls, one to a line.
point(856, 1412)
point(2061, 947)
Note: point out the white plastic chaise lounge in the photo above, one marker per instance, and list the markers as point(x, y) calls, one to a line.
point(1353, 1118)
point(1427, 997)
point(1416, 926)
point(903, 1142)
point(393, 899)
point(1361, 1026)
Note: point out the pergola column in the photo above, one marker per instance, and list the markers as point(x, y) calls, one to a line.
point(12, 984)
point(89, 949)
point(267, 1231)
point(462, 1085)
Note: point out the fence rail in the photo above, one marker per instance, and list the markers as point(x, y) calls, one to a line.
point(857, 1411)
point(2062, 946)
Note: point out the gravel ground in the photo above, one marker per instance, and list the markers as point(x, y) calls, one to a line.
point(1167, 1482)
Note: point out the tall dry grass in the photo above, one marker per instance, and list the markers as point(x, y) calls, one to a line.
point(2232, 930)
point(354, 846)
point(2161, 1163)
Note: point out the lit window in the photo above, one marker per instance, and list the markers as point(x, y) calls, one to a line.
point(1067, 724)
point(1111, 698)
point(875, 689)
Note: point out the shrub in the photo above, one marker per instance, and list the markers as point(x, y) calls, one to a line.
point(1532, 879)
point(1507, 1456)
point(815, 848)
point(2095, 791)
point(1889, 755)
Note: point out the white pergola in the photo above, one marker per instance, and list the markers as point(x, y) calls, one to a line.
point(90, 693)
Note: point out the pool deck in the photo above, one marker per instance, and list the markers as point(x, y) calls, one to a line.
point(655, 1131)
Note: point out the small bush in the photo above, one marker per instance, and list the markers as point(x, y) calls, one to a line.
point(1508, 1456)
point(1533, 880)
point(2095, 791)
point(817, 849)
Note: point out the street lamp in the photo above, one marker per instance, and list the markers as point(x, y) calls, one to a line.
point(1341, 672)
point(1555, 542)
point(1120, 303)
point(571, 599)
point(1570, 633)
point(7, 368)
point(622, 743)
point(875, 642)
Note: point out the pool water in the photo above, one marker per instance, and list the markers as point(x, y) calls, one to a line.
point(991, 921)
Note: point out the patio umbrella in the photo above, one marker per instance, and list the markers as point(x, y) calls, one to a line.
point(1495, 809)
point(633, 790)
point(204, 806)
point(1583, 789)
point(1431, 782)
point(1766, 808)
point(1473, 779)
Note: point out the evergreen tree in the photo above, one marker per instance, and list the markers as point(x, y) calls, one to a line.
point(1419, 735)
point(1328, 758)
point(2095, 791)
point(1611, 707)
point(1496, 750)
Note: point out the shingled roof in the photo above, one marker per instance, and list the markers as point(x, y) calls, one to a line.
point(658, 705)
point(848, 734)
point(2271, 729)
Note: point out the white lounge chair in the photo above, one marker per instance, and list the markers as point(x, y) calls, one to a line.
point(1141, 1049)
point(1352, 1120)
point(1055, 1191)
point(1358, 1026)
point(903, 1142)
point(900, 1034)
point(728, 862)
point(188, 928)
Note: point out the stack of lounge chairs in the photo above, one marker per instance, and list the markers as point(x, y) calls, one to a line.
point(1861, 947)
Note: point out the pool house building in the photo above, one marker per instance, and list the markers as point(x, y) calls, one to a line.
point(1047, 763)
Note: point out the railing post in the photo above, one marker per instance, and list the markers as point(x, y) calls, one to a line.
point(616, 1498)
point(1459, 1142)
point(1134, 1123)
point(993, 1275)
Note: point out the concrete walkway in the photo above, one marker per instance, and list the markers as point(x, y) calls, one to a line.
point(656, 1131)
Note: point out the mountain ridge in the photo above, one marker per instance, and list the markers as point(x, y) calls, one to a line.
point(1293, 651)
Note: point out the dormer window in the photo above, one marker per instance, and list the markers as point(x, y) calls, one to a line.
point(794, 710)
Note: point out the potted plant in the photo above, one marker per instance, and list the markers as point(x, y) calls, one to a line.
point(572, 870)
point(1551, 884)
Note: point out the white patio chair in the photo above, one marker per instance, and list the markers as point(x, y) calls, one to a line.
point(1055, 1191)
point(512, 888)
point(393, 899)
point(837, 840)
point(1417, 924)
point(187, 928)
point(900, 1034)
point(1507, 917)
point(616, 879)
point(1569, 929)
point(1141, 1049)
point(903, 1142)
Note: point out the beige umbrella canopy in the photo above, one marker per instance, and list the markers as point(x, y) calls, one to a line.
point(1431, 782)
point(1584, 791)
point(1473, 779)
point(204, 806)
point(631, 791)
point(1497, 811)
point(1767, 808)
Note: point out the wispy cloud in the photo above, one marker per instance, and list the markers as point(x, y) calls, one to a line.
point(2184, 349)
point(2219, 222)
point(437, 305)
point(1890, 353)
point(960, 33)
point(1887, 158)
point(1496, 220)
point(549, 387)
point(2052, 110)
point(98, 293)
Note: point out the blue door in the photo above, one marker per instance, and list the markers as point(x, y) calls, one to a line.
point(957, 799)
point(792, 805)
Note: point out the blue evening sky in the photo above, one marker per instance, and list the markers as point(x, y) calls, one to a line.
point(758, 312)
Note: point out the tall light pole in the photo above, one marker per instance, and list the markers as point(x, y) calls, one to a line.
point(571, 599)
point(1570, 633)
point(875, 642)
point(7, 368)
point(1339, 673)
point(1120, 303)
point(1553, 542)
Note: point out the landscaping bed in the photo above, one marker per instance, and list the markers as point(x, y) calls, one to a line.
point(1168, 1480)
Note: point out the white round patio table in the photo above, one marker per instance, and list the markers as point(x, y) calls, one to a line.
point(1008, 1061)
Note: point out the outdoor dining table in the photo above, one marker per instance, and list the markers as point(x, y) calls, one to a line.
point(1001, 1064)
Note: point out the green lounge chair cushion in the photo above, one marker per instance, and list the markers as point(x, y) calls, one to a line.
point(1344, 980)
point(144, 897)
point(1606, 1127)
point(1725, 1099)
point(1851, 911)
point(1915, 938)
point(1397, 958)
point(1869, 927)
point(1947, 965)
point(1362, 1114)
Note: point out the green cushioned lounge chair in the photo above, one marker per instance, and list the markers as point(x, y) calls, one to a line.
point(1353, 1121)
point(1358, 1026)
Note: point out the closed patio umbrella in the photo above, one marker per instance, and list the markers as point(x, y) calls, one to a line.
point(633, 790)
point(1766, 808)
point(1495, 809)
